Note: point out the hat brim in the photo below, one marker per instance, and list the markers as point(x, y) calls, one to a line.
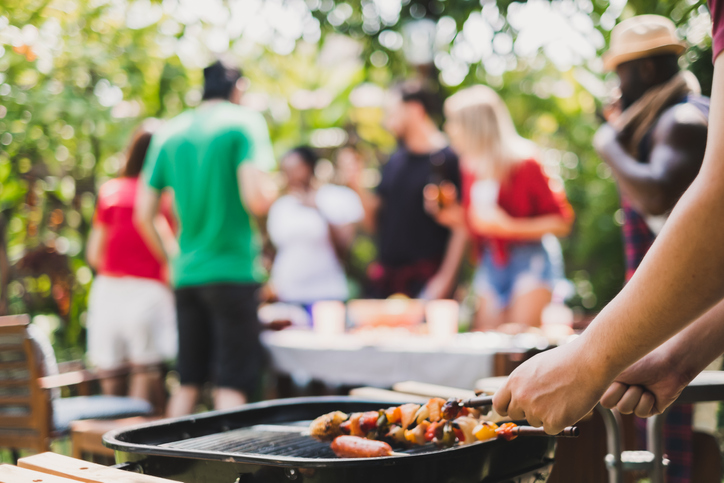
point(611, 60)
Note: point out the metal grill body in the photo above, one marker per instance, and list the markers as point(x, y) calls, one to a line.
point(265, 442)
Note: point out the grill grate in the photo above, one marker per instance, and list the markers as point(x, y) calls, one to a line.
point(289, 441)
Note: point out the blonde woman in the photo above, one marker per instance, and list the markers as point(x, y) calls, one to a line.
point(508, 206)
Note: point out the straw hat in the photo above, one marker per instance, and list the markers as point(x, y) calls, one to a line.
point(642, 36)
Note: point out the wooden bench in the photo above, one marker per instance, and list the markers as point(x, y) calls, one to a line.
point(55, 468)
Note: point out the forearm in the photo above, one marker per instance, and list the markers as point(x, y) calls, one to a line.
point(151, 236)
point(342, 238)
point(95, 246)
point(144, 217)
point(526, 228)
point(257, 189)
point(692, 350)
point(455, 251)
point(370, 204)
point(681, 276)
point(642, 187)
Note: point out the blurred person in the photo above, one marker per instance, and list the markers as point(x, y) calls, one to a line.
point(509, 206)
point(131, 313)
point(417, 256)
point(312, 227)
point(663, 328)
point(214, 158)
point(654, 144)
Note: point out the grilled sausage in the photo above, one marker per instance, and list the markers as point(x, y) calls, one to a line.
point(356, 447)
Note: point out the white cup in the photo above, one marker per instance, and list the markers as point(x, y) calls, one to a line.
point(328, 317)
point(442, 318)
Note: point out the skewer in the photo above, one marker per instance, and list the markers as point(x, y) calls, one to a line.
point(477, 401)
point(569, 432)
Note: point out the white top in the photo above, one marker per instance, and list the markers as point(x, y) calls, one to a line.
point(306, 268)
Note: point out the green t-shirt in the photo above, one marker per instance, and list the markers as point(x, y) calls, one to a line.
point(197, 155)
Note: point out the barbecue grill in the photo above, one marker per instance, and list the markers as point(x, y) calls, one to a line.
point(265, 442)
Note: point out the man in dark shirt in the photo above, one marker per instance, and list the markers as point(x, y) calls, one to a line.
point(417, 256)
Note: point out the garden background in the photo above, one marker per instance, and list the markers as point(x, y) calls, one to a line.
point(77, 76)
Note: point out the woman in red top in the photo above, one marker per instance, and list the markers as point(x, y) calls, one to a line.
point(509, 206)
point(131, 311)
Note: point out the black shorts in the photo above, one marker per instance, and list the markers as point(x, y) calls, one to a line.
point(218, 333)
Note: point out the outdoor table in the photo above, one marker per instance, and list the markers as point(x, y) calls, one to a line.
point(383, 358)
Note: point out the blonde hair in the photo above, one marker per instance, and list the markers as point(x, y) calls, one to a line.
point(487, 131)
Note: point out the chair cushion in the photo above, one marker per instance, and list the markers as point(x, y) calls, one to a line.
point(69, 409)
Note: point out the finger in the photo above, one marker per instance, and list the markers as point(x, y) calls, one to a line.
point(613, 395)
point(553, 429)
point(630, 399)
point(501, 400)
point(644, 408)
point(515, 412)
point(534, 421)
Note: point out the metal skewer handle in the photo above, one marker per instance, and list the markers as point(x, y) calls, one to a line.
point(477, 401)
point(569, 432)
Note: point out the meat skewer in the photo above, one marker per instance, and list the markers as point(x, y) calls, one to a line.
point(443, 423)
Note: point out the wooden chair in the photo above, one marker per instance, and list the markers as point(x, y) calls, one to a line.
point(30, 417)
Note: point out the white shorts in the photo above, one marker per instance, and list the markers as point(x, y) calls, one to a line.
point(130, 320)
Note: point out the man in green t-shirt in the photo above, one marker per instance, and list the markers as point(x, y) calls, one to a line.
point(214, 158)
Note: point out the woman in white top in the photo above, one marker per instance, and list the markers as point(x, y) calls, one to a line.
point(312, 228)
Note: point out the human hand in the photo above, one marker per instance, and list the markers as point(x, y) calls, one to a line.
point(450, 216)
point(438, 287)
point(613, 110)
point(494, 221)
point(604, 137)
point(554, 389)
point(648, 387)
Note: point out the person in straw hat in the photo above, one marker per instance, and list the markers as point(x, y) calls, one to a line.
point(663, 328)
point(654, 143)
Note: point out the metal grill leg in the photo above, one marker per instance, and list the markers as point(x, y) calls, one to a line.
point(613, 443)
point(655, 444)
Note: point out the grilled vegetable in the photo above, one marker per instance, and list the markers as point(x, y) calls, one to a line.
point(368, 421)
point(327, 427)
point(466, 425)
point(505, 431)
point(354, 426)
point(422, 414)
point(396, 434)
point(485, 431)
point(451, 409)
point(448, 436)
point(407, 414)
point(394, 415)
point(417, 435)
point(434, 432)
point(356, 447)
point(434, 408)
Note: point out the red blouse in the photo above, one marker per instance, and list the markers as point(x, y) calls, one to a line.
point(717, 33)
point(126, 253)
point(526, 193)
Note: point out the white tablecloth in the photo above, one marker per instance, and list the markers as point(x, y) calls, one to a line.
point(383, 359)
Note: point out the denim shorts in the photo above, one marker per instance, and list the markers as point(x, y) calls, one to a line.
point(529, 266)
